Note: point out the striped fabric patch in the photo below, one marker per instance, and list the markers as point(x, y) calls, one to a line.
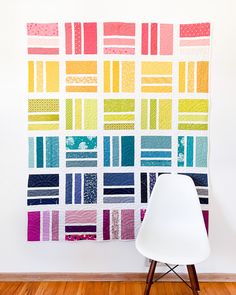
point(43, 152)
point(156, 150)
point(192, 151)
point(81, 38)
point(43, 225)
point(118, 151)
point(43, 76)
point(193, 76)
point(43, 114)
point(118, 188)
point(156, 76)
point(119, 38)
point(81, 114)
point(81, 188)
point(43, 189)
point(81, 151)
point(201, 182)
point(81, 76)
point(156, 114)
point(157, 39)
point(119, 76)
point(119, 114)
point(147, 182)
point(118, 224)
point(194, 39)
point(80, 225)
point(193, 114)
point(42, 38)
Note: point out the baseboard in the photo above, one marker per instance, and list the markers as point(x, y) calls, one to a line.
point(203, 277)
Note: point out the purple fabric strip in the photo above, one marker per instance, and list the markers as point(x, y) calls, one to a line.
point(106, 224)
point(46, 221)
point(55, 225)
point(34, 226)
point(127, 224)
point(80, 228)
point(206, 218)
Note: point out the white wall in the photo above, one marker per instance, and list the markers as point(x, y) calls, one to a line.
point(16, 255)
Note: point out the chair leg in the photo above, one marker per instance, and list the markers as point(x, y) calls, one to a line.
point(150, 275)
point(193, 279)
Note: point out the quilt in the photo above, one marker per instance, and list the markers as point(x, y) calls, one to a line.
point(111, 106)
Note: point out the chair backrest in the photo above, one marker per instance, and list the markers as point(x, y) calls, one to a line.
point(173, 229)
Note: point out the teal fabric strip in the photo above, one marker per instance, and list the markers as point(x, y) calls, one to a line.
point(149, 163)
point(156, 154)
point(81, 142)
point(52, 152)
point(201, 151)
point(127, 150)
point(31, 152)
point(190, 151)
point(181, 144)
point(39, 147)
point(81, 163)
point(81, 155)
point(106, 151)
point(155, 142)
point(115, 151)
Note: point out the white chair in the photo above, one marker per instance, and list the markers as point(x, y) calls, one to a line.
point(173, 229)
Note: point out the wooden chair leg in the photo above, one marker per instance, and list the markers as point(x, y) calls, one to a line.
point(193, 279)
point(150, 275)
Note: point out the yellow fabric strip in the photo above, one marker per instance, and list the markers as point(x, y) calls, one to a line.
point(165, 114)
point(52, 76)
point(159, 89)
point(31, 76)
point(155, 80)
point(33, 127)
point(124, 126)
point(128, 73)
point(119, 105)
point(115, 76)
point(81, 80)
point(109, 118)
point(78, 114)
point(191, 76)
point(153, 114)
point(182, 74)
point(193, 105)
point(39, 83)
point(81, 88)
point(43, 105)
point(107, 76)
point(81, 67)
point(90, 114)
point(144, 114)
point(200, 118)
point(156, 68)
point(193, 127)
point(202, 76)
point(69, 114)
point(34, 118)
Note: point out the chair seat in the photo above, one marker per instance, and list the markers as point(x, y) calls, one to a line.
point(180, 251)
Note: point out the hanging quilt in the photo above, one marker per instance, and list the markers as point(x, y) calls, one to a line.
point(111, 106)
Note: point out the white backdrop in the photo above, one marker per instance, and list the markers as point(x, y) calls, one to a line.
point(16, 255)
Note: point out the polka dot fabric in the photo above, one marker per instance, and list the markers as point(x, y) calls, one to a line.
point(36, 29)
point(195, 30)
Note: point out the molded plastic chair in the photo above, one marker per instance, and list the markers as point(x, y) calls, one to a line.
point(173, 229)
